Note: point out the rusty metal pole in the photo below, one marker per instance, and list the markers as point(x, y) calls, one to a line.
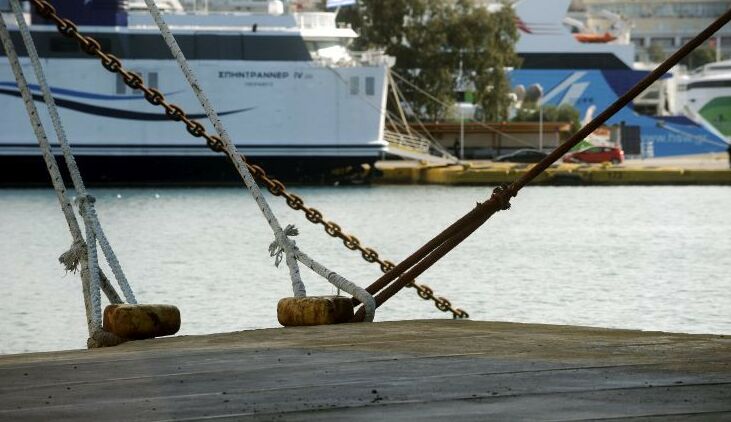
point(445, 241)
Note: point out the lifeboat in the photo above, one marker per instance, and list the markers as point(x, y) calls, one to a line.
point(595, 38)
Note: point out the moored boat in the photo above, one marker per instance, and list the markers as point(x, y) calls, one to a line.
point(292, 95)
point(589, 71)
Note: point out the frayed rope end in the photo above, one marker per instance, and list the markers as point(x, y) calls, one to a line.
point(276, 249)
point(71, 258)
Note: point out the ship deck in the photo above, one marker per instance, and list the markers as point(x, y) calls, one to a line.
point(401, 370)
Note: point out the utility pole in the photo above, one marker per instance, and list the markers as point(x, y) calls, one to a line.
point(460, 106)
point(461, 133)
point(540, 125)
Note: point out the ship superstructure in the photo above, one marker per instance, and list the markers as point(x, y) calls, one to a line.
point(589, 70)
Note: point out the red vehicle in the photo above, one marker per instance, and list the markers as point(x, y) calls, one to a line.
point(595, 155)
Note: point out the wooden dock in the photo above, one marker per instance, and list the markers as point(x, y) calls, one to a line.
point(406, 370)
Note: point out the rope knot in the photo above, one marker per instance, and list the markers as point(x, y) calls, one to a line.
point(71, 258)
point(85, 199)
point(502, 194)
point(276, 248)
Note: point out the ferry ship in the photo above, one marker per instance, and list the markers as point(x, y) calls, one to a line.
point(292, 96)
point(705, 94)
point(590, 71)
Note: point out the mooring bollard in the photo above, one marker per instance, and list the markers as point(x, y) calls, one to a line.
point(137, 322)
point(314, 310)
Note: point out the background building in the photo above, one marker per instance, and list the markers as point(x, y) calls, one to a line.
point(661, 24)
point(248, 5)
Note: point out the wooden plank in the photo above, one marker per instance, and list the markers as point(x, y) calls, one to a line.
point(411, 370)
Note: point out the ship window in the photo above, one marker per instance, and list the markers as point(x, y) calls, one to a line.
point(664, 41)
point(152, 80)
point(218, 47)
point(284, 48)
point(639, 42)
point(105, 44)
point(60, 44)
point(354, 85)
point(370, 85)
point(710, 84)
point(121, 87)
point(63, 45)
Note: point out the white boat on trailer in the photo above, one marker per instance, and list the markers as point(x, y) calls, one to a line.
point(293, 97)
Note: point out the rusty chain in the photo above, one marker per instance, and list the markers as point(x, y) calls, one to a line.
point(113, 64)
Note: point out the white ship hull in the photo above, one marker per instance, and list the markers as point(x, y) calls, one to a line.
point(297, 111)
point(705, 95)
point(290, 114)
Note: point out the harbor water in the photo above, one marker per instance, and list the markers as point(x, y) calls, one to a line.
point(651, 258)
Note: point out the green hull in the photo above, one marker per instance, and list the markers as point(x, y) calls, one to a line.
point(718, 113)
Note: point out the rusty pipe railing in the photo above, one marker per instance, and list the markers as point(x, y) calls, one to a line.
point(444, 242)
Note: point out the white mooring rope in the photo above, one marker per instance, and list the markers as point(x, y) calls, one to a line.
point(89, 276)
point(51, 164)
point(369, 303)
point(85, 201)
point(292, 254)
point(298, 286)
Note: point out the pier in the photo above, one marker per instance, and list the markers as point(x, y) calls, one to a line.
point(401, 370)
point(495, 173)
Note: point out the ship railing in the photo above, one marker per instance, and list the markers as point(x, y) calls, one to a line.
point(415, 147)
point(355, 58)
point(406, 141)
point(315, 20)
point(331, 62)
point(373, 58)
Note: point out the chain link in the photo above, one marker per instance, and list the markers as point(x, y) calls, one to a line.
point(196, 129)
point(351, 242)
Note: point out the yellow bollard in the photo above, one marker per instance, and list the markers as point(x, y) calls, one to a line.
point(137, 322)
point(314, 310)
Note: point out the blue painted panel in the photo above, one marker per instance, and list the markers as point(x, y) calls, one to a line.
point(675, 135)
point(88, 12)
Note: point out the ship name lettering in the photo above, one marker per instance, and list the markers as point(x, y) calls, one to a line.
point(225, 74)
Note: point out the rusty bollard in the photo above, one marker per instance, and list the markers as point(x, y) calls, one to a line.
point(137, 322)
point(314, 310)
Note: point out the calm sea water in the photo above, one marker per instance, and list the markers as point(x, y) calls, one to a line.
point(652, 258)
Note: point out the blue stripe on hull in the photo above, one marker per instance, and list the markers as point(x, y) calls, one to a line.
point(86, 95)
point(115, 113)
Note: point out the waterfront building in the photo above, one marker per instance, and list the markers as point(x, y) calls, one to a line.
point(249, 5)
point(666, 24)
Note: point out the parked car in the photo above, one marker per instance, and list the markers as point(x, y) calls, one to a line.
point(522, 156)
point(595, 155)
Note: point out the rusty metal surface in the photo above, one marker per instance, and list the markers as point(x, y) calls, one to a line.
point(113, 64)
point(138, 322)
point(314, 310)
